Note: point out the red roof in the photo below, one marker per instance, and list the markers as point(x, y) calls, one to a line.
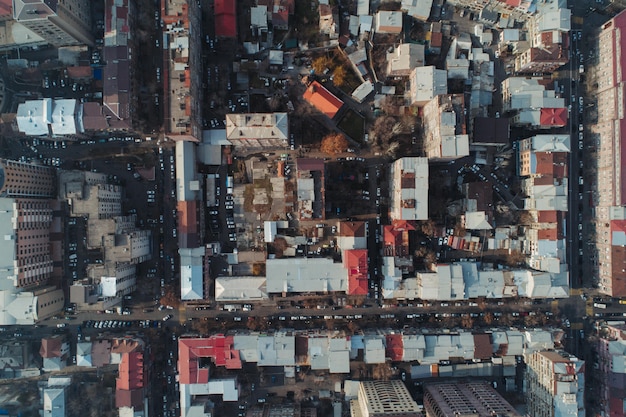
point(355, 261)
point(219, 348)
point(225, 18)
point(395, 347)
point(130, 371)
point(323, 100)
point(547, 216)
point(553, 117)
point(188, 224)
point(618, 226)
point(547, 234)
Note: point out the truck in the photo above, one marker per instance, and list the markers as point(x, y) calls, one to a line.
point(211, 199)
point(599, 305)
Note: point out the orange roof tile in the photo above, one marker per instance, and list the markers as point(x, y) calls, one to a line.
point(322, 99)
point(553, 117)
point(355, 261)
point(395, 347)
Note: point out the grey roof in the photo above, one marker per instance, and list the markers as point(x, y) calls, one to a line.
point(305, 275)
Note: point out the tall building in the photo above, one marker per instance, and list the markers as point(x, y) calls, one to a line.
point(25, 249)
point(409, 189)
point(477, 399)
point(555, 384)
point(23, 180)
point(609, 385)
point(60, 22)
point(610, 197)
point(384, 398)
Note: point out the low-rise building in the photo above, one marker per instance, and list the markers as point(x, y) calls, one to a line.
point(388, 22)
point(426, 84)
point(258, 130)
point(409, 189)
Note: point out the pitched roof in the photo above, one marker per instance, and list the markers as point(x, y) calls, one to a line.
point(356, 229)
point(553, 117)
point(219, 348)
point(225, 18)
point(323, 100)
point(355, 261)
point(130, 371)
point(395, 347)
point(51, 347)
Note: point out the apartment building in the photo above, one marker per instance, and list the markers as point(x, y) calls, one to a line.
point(445, 135)
point(475, 398)
point(610, 371)
point(555, 384)
point(60, 23)
point(24, 180)
point(610, 197)
point(384, 398)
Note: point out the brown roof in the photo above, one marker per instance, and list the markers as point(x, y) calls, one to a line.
point(80, 72)
point(618, 276)
point(51, 347)
point(356, 229)
point(188, 236)
point(482, 346)
point(132, 398)
point(310, 164)
point(93, 117)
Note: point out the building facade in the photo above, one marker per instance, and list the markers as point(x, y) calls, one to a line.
point(384, 398)
point(555, 384)
point(610, 194)
point(60, 23)
point(23, 180)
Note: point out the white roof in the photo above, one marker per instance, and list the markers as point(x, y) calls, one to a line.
point(191, 273)
point(305, 275)
point(559, 20)
point(34, 116)
point(66, 117)
point(365, 23)
point(388, 21)
point(362, 91)
point(242, 288)
point(405, 58)
point(354, 25)
point(258, 16)
point(374, 349)
point(257, 126)
point(363, 7)
point(276, 57)
point(270, 231)
point(411, 201)
point(477, 220)
point(427, 83)
point(551, 143)
point(446, 283)
point(54, 402)
point(185, 171)
point(278, 349)
point(419, 9)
